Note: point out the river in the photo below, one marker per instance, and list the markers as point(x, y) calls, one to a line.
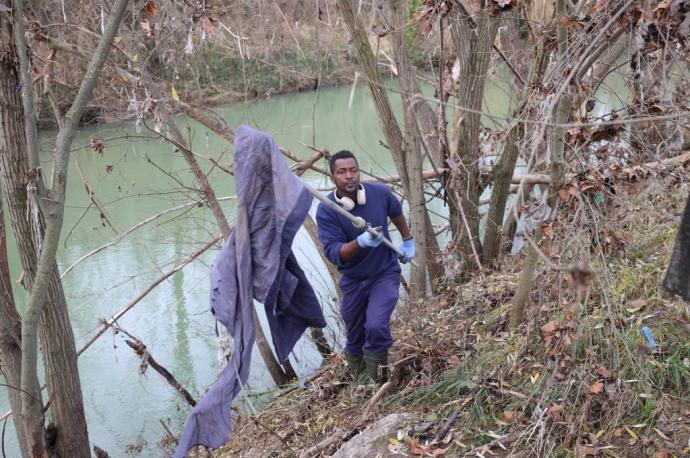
point(139, 175)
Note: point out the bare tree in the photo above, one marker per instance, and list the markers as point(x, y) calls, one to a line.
point(472, 40)
point(46, 310)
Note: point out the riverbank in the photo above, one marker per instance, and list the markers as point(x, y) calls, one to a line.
point(578, 380)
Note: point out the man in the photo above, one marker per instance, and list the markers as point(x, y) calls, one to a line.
point(371, 273)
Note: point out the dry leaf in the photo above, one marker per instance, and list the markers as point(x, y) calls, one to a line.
point(661, 8)
point(603, 373)
point(549, 327)
point(97, 144)
point(147, 27)
point(207, 25)
point(150, 7)
point(453, 361)
point(570, 23)
point(555, 412)
point(512, 415)
point(596, 387)
point(416, 449)
point(586, 450)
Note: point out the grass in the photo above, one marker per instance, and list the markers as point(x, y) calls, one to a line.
point(595, 388)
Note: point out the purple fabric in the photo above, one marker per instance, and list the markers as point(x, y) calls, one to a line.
point(366, 309)
point(255, 263)
point(334, 230)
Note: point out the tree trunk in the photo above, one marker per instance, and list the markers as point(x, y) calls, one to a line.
point(55, 331)
point(561, 112)
point(10, 324)
point(412, 148)
point(46, 312)
point(473, 48)
point(505, 166)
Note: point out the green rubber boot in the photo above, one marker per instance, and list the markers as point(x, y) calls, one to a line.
point(377, 365)
point(356, 364)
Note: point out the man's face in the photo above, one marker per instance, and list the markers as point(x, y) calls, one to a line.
point(346, 176)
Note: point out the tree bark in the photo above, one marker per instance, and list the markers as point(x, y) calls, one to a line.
point(561, 112)
point(10, 327)
point(505, 166)
point(473, 49)
point(46, 302)
point(412, 149)
point(10, 323)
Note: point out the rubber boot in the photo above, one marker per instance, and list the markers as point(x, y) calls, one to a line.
point(377, 365)
point(356, 364)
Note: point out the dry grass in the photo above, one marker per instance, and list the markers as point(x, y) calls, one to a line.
point(578, 379)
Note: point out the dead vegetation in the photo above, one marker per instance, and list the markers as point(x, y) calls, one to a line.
point(579, 378)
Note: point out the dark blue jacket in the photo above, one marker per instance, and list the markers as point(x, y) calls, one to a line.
point(335, 230)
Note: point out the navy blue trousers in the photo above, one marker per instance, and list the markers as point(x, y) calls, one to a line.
point(366, 309)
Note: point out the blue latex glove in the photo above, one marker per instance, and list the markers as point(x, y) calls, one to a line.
point(407, 248)
point(365, 240)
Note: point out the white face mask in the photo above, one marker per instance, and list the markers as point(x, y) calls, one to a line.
point(347, 203)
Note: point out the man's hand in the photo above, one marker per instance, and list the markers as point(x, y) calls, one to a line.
point(366, 240)
point(407, 248)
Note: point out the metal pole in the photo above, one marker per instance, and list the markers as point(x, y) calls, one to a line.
point(357, 221)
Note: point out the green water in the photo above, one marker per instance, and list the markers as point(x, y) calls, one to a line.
point(122, 406)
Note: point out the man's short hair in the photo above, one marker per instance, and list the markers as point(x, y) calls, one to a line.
point(342, 154)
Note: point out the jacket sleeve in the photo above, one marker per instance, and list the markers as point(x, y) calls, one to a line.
point(393, 205)
point(330, 234)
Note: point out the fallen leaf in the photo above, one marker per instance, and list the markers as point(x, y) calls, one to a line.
point(662, 435)
point(512, 415)
point(150, 7)
point(596, 387)
point(603, 373)
point(147, 27)
point(549, 327)
point(453, 361)
point(173, 94)
point(631, 433)
point(207, 25)
point(586, 450)
point(416, 449)
point(555, 412)
point(571, 23)
point(636, 305)
point(563, 194)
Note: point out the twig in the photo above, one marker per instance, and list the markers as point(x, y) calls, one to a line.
point(374, 401)
point(168, 432)
point(107, 324)
point(94, 199)
point(134, 228)
point(270, 430)
point(141, 350)
point(507, 439)
point(454, 417)
point(345, 435)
